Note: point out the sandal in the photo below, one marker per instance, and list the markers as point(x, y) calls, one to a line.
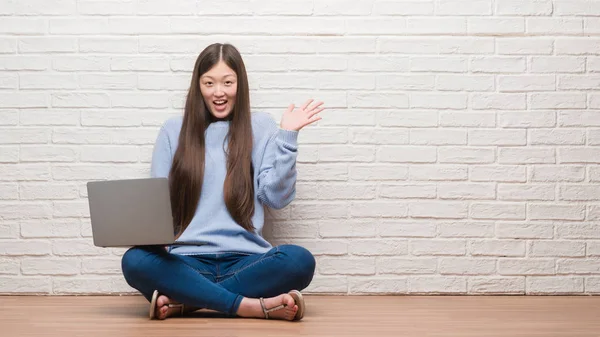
point(297, 296)
point(155, 296)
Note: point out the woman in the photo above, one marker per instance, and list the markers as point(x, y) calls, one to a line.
point(224, 165)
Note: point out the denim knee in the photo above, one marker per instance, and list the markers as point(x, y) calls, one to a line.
point(301, 263)
point(132, 263)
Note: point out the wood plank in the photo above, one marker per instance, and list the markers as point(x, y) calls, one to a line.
point(378, 316)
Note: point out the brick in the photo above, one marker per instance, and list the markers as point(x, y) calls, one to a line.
point(557, 248)
point(24, 285)
point(24, 210)
point(497, 137)
point(401, 266)
point(9, 191)
point(346, 266)
point(414, 118)
point(378, 247)
point(9, 230)
point(438, 64)
point(464, 82)
point(577, 46)
point(498, 64)
point(98, 172)
point(387, 136)
point(9, 266)
point(466, 155)
point(9, 117)
point(409, 7)
point(76, 247)
point(499, 173)
point(50, 228)
point(438, 173)
point(321, 247)
point(498, 211)
point(579, 192)
point(578, 231)
point(525, 46)
point(377, 100)
point(50, 266)
point(556, 212)
point(101, 266)
point(578, 155)
point(48, 153)
point(346, 191)
point(529, 267)
point(557, 101)
point(25, 247)
point(592, 285)
point(407, 191)
point(492, 25)
point(316, 211)
point(375, 209)
point(295, 229)
point(461, 119)
point(434, 209)
point(406, 154)
point(557, 137)
point(524, 83)
point(328, 285)
point(463, 7)
point(406, 228)
point(378, 285)
point(437, 247)
point(437, 285)
point(323, 172)
point(524, 230)
point(9, 154)
point(524, 8)
point(405, 82)
point(38, 191)
point(24, 172)
point(438, 25)
point(497, 248)
point(485, 101)
point(23, 100)
point(345, 81)
point(593, 212)
point(438, 137)
point(577, 8)
point(80, 63)
point(378, 172)
point(520, 192)
point(107, 7)
point(353, 117)
point(342, 153)
point(462, 266)
point(466, 230)
point(579, 118)
point(593, 248)
point(118, 154)
point(377, 26)
point(540, 119)
point(513, 155)
point(71, 209)
point(101, 285)
point(556, 26)
point(554, 285)
point(496, 285)
point(47, 44)
point(557, 64)
point(466, 191)
point(377, 63)
point(578, 266)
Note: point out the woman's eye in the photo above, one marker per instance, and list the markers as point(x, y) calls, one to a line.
point(207, 83)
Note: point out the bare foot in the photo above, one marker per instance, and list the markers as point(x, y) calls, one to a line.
point(250, 307)
point(163, 310)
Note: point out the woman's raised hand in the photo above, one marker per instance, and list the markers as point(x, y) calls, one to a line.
point(294, 120)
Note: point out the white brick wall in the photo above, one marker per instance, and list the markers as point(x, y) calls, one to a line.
point(460, 152)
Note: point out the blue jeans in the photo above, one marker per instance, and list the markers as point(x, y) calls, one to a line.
point(217, 281)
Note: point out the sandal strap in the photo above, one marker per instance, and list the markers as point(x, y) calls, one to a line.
point(267, 311)
point(181, 306)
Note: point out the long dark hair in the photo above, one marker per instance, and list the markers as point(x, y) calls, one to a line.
point(187, 171)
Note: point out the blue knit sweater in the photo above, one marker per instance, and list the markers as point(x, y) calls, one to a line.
point(274, 159)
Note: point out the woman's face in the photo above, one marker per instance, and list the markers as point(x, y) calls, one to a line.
point(219, 88)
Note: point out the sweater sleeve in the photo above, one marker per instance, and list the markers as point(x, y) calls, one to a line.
point(161, 155)
point(277, 174)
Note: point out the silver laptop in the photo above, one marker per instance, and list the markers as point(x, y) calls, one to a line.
point(131, 212)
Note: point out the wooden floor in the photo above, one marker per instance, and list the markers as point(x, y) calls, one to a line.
point(369, 316)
